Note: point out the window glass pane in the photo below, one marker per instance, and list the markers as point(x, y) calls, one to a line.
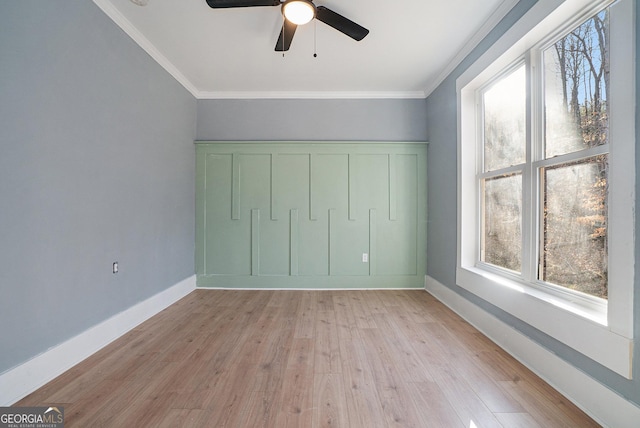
point(576, 87)
point(504, 106)
point(574, 232)
point(502, 222)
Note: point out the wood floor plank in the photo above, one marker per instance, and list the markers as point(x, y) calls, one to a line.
point(325, 301)
point(329, 408)
point(271, 360)
point(306, 318)
point(517, 420)
point(345, 318)
point(407, 307)
point(260, 409)
point(363, 411)
point(466, 403)
point(399, 408)
point(296, 402)
point(327, 348)
point(148, 412)
point(447, 354)
point(418, 302)
point(179, 418)
point(106, 400)
point(373, 300)
point(360, 311)
point(437, 410)
point(399, 348)
point(280, 359)
point(542, 409)
point(363, 400)
point(385, 373)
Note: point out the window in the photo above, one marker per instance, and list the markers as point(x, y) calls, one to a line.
point(503, 144)
point(568, 163)
point(573, 177)
point(546, 175)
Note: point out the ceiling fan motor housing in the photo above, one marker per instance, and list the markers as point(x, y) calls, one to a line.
point(299, 12)
point(321, 13)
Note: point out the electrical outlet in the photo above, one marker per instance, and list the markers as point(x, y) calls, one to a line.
point(365, 258)
point(115, 267)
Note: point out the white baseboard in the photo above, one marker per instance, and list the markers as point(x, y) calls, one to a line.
point(34, 373)
point(597, 400)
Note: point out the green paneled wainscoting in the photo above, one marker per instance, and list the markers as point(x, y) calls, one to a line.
point(311, 214)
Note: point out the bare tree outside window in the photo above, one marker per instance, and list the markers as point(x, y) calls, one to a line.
point(573, 182)
point(574, 206)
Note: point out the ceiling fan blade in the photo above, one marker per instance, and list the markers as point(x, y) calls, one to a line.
point(220, 4)
point(340, 23)
point(286, 36)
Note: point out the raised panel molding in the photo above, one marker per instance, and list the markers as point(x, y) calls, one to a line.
point(302, 214)
point(293, 242)
point(235, 187)
point(393, 203)
point(255, 242)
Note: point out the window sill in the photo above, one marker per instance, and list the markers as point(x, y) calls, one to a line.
point(583, 329)
point(582, 307)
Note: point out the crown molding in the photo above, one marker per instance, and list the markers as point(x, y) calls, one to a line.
point(311, 95)
point(116, 16)
point(499, 13)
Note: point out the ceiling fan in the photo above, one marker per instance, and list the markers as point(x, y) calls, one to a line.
point(298, 12)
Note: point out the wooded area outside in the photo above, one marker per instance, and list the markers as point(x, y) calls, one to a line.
point(575, 194)
point(573, 190)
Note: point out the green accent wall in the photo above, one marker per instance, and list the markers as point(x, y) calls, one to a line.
point(302, 214)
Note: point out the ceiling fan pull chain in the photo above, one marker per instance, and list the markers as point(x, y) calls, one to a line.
point(315, 38)
point(283, 35)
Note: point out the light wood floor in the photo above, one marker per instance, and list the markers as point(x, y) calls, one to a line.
point(306, 359)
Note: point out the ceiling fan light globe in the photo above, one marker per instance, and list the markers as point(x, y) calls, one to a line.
point(298, 12)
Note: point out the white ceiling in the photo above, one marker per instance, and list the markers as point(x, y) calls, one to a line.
point(229, 53)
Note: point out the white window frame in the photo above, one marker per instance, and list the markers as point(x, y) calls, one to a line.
point(601, 331)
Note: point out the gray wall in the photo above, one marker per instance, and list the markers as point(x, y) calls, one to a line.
point(441, 190)
point(96, 165)
point(308, 120)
